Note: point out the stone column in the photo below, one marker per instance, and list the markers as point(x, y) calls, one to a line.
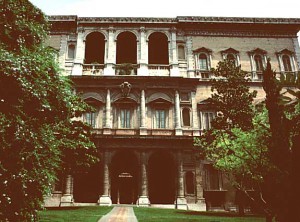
point(67, 198)
point(143, 128)
point(107, 127)
point(174, 62)
point(104, 199)
point(143, 61)
point(180, 200)
point(111, 53)
point(80, 52)
point(178, 129)
point(199, 186)
point(143, 198)
point(195, 119)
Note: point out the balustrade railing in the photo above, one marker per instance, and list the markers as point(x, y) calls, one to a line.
point(92, 69)
point(159, 70)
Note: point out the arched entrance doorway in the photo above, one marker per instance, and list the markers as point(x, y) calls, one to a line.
point(124, 178)
point(161, 178)
point(86, 185)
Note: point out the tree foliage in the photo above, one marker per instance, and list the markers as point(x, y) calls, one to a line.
point(231, 97)
point(39, 135)
point(283, 149)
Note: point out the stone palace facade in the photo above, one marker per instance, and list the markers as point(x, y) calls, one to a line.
point(148, 79)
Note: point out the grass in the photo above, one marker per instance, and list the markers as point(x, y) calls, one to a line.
point(94, 213)
point(73, 214)
point(171, 215)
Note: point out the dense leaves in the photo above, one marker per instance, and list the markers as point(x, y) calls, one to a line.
point(39, 135)
point(283, 150)
point(231, 96)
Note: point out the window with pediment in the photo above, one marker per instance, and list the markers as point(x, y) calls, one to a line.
point(231, 55)
point(202, 58)
point(92, 117)
point(258, 58)
point(124, 113)
point(159, 107)
point(286, 61)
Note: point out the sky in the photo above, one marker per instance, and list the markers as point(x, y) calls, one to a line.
point(171, 8)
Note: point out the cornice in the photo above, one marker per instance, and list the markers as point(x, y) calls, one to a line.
point(126, 20)
point(178, 19)
point(199, 19)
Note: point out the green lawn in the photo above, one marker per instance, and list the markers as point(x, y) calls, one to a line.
point(93, 213)
point(73, 214)
point(170, 215)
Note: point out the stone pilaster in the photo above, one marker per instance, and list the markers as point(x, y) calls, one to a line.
point(67, 198)
point(180, 200)
point(111, 53)
point(199, 186)
point(143, 129)
point(174, 69)
point(297, 53)
point(107, 127)
point(104, 199)
point(178, 129)
point(143, 61)
point(80, 52)
point(143, 198)
point(195, 119)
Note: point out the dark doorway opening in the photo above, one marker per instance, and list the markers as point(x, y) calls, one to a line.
point(126, 48)
point(94, 48)
point(161, 178)
point(124, 178)
point(87, 185)
point(158, 49)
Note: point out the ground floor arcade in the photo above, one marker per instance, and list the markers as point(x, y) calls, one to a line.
point(145, 172)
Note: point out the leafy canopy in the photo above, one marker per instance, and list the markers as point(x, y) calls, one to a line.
point(39, 135)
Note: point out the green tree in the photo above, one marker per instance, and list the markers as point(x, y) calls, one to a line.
point(236, 143)
point(283, 150)
point(39, 135)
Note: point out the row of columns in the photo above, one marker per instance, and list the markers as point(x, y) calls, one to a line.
point(143, 200)
point(143, 127)
point(110, 54)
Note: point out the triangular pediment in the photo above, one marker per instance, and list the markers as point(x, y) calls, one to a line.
point(230, 50)
point(202, 49)
point(258, 51)
point(286, 51)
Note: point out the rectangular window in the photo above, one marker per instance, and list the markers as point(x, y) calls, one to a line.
point(206, 119)
point(203, 64)
point(90, 119)
point(160, 117)
point(125, 116)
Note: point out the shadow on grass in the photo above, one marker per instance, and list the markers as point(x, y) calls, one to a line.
point(216, 214)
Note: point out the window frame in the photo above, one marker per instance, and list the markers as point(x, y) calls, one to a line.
point(68, 51)
point(210, 114)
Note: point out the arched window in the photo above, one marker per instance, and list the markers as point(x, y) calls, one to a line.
point(94, 48)
point(158, 51)
point(71, 51)
point(186, 117)
point(286, 63)
point(126, 48)
point(258, 63)
point(181, 52)
point(190, 182)
point(203, 62)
